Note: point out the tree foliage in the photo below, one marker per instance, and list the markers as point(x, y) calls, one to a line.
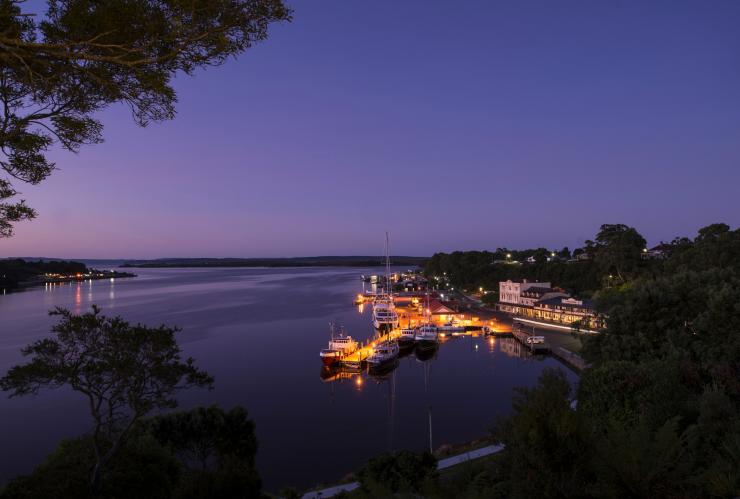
point(124, 371)
point(656, 411)
point(84, 55)
point(402, 471)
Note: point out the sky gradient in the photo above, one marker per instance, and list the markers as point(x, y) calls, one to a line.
point(466, 125)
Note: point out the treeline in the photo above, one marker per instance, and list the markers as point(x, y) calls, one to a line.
point(615, 256)
point(15, 271)
point(318, 261)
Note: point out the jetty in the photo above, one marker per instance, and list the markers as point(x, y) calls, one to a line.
point(359, 357)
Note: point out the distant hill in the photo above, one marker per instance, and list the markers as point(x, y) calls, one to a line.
point(306, 261)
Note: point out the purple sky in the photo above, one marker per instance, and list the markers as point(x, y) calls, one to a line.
point(453, 125)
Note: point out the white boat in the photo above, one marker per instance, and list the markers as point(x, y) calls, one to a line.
point(408, 335)
point(452, 327)
point(383, 353)
point(339, 346)
point(385, 316)
point(426, 334)
point(535, 340)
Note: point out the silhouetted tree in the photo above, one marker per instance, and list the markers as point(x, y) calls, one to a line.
point(124, 371)
point(83, 55)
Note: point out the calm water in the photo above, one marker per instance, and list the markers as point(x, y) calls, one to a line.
point(258, 332)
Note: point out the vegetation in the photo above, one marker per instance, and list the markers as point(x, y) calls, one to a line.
point(81, 56)
point(124, 371)
point(399, 472)
point(153, 462)
point(15, 271)
point(612, 259)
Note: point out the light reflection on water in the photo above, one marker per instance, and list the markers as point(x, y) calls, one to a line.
point(258, 332)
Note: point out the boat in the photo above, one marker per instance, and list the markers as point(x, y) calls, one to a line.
point(340, 346)
point(426, 335)
point(452, 326)
point(408, 336)
point(385, 316)
point(426, 332)
point(383, 353)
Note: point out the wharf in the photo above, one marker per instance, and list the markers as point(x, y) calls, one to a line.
point(359, 356)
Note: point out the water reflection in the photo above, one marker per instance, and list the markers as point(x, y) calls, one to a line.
point(512, 348)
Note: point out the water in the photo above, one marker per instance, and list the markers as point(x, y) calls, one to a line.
point(258, 332)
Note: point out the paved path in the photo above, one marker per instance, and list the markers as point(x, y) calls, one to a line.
point(441, 465)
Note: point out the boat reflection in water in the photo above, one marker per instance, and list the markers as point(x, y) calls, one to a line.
point(512, 348)
point(383, 371)
point(427, 353)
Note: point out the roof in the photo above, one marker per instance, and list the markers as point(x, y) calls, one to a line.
point(568, 302)
point(664, 247)
point(537, 290)
point(437, 307)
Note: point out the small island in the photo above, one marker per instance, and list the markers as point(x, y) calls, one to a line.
point(18, 273)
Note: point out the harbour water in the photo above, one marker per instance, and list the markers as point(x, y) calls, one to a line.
point(258, 332)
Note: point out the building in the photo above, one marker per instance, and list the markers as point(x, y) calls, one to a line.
point(659, 252)
point(510, 292)
point(539, 301)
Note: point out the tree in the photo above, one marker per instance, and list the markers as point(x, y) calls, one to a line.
point(125, 372)
point(617, 250)
point(218, 447)
point(84, 55)
point(402, 471)
point(546, 450)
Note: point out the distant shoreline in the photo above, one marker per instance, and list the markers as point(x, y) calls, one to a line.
point(327, 261)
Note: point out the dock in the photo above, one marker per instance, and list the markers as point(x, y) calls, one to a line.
point(357, 358)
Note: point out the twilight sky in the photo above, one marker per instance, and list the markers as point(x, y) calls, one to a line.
point(453, 125)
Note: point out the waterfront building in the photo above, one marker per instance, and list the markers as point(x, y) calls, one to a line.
point(510, 292)
point(539, 301)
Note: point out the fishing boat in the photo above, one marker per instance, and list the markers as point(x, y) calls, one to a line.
point(383, 353)
point(340, 345)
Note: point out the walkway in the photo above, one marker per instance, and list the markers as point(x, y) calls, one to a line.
point(442, 464)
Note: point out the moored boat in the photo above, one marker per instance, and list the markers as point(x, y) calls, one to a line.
point(340, 346)
point(426, 335)
point(383, 353)
point(452, 326)
point(408, 336)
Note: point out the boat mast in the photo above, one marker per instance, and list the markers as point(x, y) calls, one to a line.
point(389, 288)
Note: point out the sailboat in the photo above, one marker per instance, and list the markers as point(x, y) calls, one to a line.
point(426, 332)
point(383, 354)
point(385, 316)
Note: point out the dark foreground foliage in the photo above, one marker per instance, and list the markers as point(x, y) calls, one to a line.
point(203, 453)
point(656, 414)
